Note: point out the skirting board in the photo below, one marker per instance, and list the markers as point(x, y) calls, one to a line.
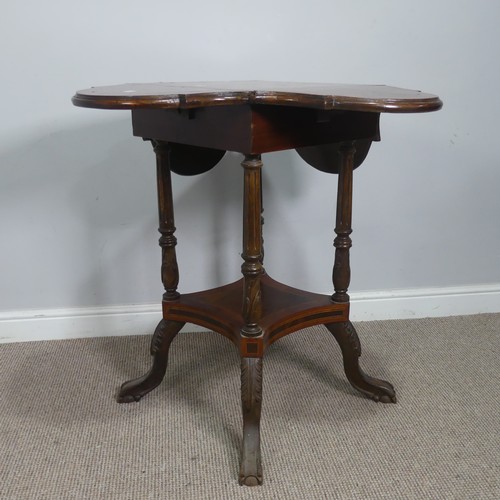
point(52, 324)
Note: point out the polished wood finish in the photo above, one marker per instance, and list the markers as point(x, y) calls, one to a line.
point(252, 267)
point(134, 390)
point(284, 310)
point(191, 126)
point(374, 388)
point(342, 269)
point(379, 98)
point(255, 129)
point(169, 268)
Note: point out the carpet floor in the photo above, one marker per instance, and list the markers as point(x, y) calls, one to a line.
point(62, 435)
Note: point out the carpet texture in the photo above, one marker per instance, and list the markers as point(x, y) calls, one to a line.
point(62, 435)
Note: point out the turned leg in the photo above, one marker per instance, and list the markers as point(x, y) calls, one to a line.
point(251, 332)
point(252, 255)
point(166, 330)
point(345, 334)
point(134, 390)
point(251, 398)
point(341, 268)
point(169, 268)
point(261, 222)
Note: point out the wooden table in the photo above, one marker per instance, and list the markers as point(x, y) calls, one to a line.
point(191, 126)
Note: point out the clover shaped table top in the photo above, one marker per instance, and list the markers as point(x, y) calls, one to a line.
point(256, 117)
point(378, 98)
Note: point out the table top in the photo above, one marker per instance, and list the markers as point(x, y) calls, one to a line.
point(376, 98)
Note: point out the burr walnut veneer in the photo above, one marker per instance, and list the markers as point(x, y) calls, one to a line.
point(191, 126)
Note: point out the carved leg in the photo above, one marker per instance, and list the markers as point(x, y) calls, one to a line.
point(134, 390)
point(346, 336)
point(251, 332)
point(341, 269)
point(168, 241)
point(251, 397)
point(262, 221)
point(252, 245)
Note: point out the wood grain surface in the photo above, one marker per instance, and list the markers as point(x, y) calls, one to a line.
point(378, 98)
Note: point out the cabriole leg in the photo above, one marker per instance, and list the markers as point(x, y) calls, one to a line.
point(346, 336)
point(134, 390)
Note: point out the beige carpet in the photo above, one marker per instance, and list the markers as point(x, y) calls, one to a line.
point(62, 436)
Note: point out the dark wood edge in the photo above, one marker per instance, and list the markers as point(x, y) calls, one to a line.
point(110, 102)
point(349, 103)
point(175, 101)
point(197, 317)
point(184, 101)
point(389, 105)
point(315, 317)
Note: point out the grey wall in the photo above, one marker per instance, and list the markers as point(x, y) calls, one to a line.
point(77, 191)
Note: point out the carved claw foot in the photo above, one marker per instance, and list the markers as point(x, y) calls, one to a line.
point(251, 397)
point(346, 336)
point(134, 390)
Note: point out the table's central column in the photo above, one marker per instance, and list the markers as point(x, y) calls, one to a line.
point(252, 255)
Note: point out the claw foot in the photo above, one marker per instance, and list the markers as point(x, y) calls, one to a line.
point(376, 389)
point(134, 390)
